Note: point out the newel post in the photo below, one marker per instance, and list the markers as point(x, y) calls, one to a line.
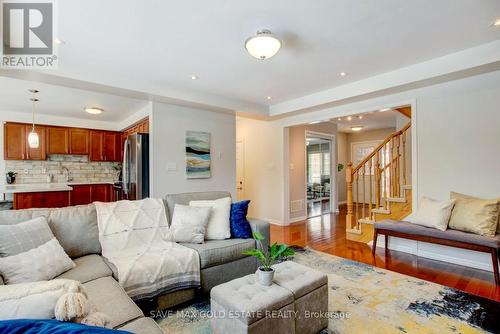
point(348, 178)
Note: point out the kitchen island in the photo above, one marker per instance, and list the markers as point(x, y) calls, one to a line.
point(56, 195)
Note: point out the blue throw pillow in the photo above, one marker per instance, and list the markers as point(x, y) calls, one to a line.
point(30, 326)
point(240, 227)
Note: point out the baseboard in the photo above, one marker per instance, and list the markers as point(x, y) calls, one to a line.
point(467, 258)
point(296, 219)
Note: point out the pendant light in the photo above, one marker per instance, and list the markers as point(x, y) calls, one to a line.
point(33, 140)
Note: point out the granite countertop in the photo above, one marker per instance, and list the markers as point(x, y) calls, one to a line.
point(43, 187)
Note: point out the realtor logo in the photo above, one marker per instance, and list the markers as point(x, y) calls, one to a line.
point(28, 34)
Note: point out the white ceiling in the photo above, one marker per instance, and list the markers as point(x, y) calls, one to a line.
point(158, 45)
point(64, 101)
point(154, 47)
point(369, 121)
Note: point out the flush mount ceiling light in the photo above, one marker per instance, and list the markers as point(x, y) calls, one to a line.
point(343, 74)
point(263, 45)
point(314, 122)
point(384, 109)
point(93, 110)
point(360, 117)
point(33, 140)
point(356, 128)
point(349, 118)
point(269, 97)
point(194, 77)
point(496, 23)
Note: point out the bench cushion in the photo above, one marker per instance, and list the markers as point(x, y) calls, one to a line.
point(454, 235)
point(215, 252)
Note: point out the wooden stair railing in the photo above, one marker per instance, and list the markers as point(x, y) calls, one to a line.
point(381, 174)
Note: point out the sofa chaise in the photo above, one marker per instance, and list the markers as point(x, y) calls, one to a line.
point(76, 230)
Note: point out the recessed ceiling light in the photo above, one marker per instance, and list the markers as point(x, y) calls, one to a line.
point(59, 41)
point(349, 118)
point(339, 119)
point(343, 74)
point(269, 97)
point(360, 117)
point(314, 122)
point(496, 23)
point(93, 110)
point(194, 77)
point(263, 45)
point(384, 109)
point(356, 128)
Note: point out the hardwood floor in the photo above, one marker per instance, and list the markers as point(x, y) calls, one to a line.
point(327, 234)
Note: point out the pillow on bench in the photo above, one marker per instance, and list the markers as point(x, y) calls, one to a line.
point(475, 215)
point(432, 213)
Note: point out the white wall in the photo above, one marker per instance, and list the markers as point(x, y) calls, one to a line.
point(457, 132)
point(169, 124)
point(263, 170)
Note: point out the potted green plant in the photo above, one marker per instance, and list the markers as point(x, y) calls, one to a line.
point(10, 177)
point(267, 258)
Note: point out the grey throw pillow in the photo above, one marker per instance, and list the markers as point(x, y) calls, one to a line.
point(22, 237)
point(189, 223)
point(30, 252)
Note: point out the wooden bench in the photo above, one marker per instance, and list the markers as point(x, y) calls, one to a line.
point(452, 238)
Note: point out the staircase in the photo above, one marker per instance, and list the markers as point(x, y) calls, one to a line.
point(378, 187)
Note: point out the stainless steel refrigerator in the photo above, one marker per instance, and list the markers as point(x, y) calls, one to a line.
point(135, 173)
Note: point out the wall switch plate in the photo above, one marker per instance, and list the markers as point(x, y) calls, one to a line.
point(171, 166)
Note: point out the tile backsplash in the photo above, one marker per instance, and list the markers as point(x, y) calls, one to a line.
point(79, 166)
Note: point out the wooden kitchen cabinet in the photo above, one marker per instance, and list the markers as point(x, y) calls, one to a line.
point(81, 194)
point(105, 146)
point(96, 145)
point(111, 146)
point(57, 140)
point(40, 152)
point(53, 199)
point(101, 192)
point(79, 141)
point(16, 142)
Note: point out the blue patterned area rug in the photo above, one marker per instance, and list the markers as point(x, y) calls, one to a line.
point(366, 299)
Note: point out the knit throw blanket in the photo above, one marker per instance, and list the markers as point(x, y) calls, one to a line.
point(135, 238)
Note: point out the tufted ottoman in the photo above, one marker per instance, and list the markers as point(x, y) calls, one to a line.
point(310, 291)
point(244, 306)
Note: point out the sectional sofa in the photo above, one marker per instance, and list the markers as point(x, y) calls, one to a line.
point(77, 232)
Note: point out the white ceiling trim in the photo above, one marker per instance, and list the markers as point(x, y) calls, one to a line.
point(192, 99)
point(482, 55)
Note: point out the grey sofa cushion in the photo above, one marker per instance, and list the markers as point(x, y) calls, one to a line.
point(74, 227)
point(88, 268)
point(185, 198)
point(406, 227)
point(22, 237)
point(215, 252)
point(142, 326)
point(110, 298)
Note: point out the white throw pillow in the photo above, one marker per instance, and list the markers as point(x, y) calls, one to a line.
point(432, 213)
point(189, 223)
point(218, 225)
point(37, 264)
point(35, 300)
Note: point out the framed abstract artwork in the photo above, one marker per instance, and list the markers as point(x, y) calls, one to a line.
point(198, 159)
